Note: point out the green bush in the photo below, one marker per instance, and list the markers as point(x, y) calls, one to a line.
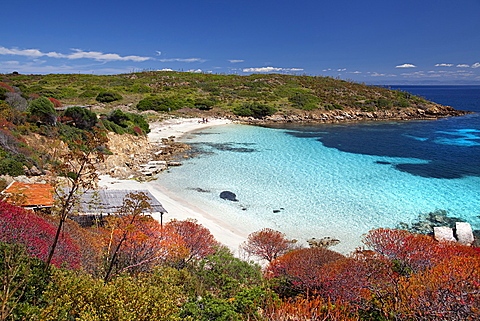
point(23, 281)
point(108, 97)
point(255, 110)
point(44, 109)
point(82, 117)
point(11, 166)
point(120, 122)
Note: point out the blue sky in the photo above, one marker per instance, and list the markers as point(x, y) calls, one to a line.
point(372, 41)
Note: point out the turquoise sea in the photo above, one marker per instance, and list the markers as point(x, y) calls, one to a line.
point(338, 180)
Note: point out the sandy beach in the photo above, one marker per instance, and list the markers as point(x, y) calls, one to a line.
point(176, 207)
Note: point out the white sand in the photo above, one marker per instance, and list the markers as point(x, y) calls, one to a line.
point(176, 207)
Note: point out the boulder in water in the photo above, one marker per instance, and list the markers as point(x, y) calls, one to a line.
point(229, 196)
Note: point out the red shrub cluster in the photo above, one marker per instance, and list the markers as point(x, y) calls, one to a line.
point(21, 226)
point(7, 87)
point(196, 238)
point(55, 102)
point(405, 276)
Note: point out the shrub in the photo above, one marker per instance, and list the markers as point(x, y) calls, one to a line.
point(20, 226)
point(108, 97)
point(255, 110)
point(127, 122)
point(23, 280)
point(3, 92)
point(82, 118)
point(55, 102)
point(44, 109)
point(299, 270)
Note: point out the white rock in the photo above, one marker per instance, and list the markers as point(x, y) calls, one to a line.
point(464, 233)
point(443, 233)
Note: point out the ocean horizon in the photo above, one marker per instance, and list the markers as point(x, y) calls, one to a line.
point(338, 180)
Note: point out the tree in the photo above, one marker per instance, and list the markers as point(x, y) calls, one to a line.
point(268, 244)
point(196, 238)
point(79, 173)
point(44, 109)
point(137, 242)
point(309, 308)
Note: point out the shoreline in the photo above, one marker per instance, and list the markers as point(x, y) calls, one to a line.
point(176, 207)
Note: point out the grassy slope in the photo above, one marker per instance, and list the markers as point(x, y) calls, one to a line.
point(286, 93)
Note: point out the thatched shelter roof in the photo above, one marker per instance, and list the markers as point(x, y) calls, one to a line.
point(109, 201)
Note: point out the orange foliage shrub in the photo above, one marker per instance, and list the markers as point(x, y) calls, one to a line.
point(306, 309)
point(267, 244)
point(447, 291)
point(300, 270)
point(366, 280)
point(414, 252)
point(144, 244)
point(195, 237)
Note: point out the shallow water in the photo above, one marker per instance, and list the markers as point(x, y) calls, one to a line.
point(334, 180)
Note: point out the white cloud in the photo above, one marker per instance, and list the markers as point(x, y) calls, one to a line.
point(166, 69)
point(376, 74)
point(234, 61)
point(463, 66)
point(343, 69)
point(76, 54)
point(159, 53)
point(476, 65)
point(195, 70)
point(406, 66)
point(182, 60)
point(271, 69)
point(443, 65)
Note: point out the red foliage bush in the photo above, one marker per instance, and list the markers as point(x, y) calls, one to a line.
point(301, 269)
point(21, 226)
point(414, 252)
point(7, 87)
point(137, 130)
point(447, 291)
point(267, 244)
point(55, 102)
point(196, 238)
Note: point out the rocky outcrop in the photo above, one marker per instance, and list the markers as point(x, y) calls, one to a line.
point(136, 157)
point(464, 233)
point(433, 111)
point(324, 242)
point(443, 233)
